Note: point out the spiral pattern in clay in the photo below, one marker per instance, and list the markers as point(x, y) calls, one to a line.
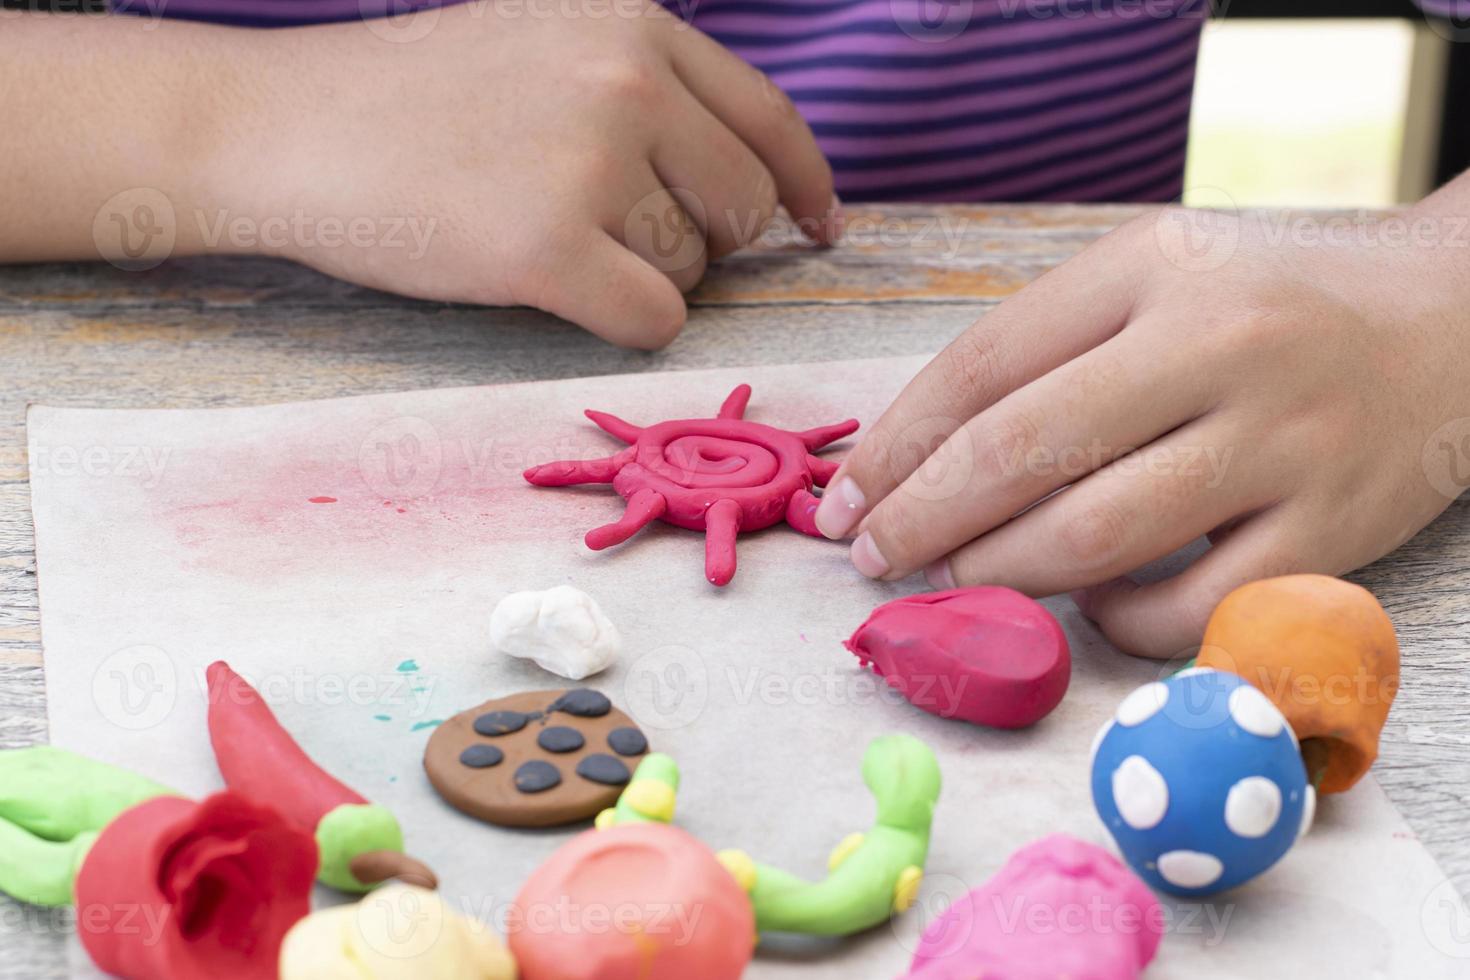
point(722, 476)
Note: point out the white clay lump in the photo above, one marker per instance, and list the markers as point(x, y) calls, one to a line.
point(561, 629)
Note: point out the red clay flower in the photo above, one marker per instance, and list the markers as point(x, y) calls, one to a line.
point(179, 890)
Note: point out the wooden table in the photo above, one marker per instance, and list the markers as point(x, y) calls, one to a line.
point(243, 331)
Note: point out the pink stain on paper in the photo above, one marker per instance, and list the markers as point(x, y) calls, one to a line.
point(335, 489)
point(333, 500)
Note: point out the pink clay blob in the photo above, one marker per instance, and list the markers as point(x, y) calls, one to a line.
point(641, 901)
point(987, 655)
point(1060, 907)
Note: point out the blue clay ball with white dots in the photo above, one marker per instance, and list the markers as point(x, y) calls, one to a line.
point(1200, 781)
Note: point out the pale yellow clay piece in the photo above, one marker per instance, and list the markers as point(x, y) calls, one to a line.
point(907, 888)
point(844, 850)
point(398, 932)
point(653, 799)
point(740, 865)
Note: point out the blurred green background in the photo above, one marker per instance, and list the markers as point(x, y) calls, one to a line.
point(1314, 113)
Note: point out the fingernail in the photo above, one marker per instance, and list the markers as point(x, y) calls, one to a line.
point(867, 558)
point(939, 575)
point(841, 508)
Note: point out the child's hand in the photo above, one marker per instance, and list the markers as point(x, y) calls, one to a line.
point(541, 140)
point(1302, 403)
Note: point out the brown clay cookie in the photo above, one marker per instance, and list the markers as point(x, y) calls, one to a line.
point(535, 759)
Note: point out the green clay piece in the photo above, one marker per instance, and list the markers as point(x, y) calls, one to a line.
point(348, 831)
point(649, 797)
point(873, 875)
point(40, 871)
point(56, 794)
point(53, 804)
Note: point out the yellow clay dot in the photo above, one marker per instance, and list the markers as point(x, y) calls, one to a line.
point(740, 866)
point(653, 799)
point(606, 819)
point(844, 850)
point(907, 888)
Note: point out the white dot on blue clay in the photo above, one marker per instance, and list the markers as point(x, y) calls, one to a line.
point(1140, 793)
point(1190, 869)
point(1309, 811)
point(1255, 713)
point(1143, 704)
point(1253, 806)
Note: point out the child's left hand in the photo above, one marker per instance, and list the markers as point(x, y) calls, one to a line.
point(1302, 400)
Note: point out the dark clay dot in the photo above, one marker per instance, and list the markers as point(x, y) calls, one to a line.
point(560, 738)
point(603, 769)
point(481, 756)
point(536, 777)
point(500, 723)
point(627, 741)
point(584, 703)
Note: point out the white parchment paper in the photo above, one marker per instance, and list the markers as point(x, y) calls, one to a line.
point(345, 556)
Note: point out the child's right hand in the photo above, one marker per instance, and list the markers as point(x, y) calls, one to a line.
point(541, 141)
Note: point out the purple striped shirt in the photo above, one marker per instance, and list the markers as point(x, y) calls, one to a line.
point(982, 100)
point(939, 100)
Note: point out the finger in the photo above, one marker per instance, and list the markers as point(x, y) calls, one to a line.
point(1164, 619)
point(767, 121)
point(615, 294)
point(1090, 411)
point(1140, 508)
point(662, 231)
point(1060, 316)
point(735, 190)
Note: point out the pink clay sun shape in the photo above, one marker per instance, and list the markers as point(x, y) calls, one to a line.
point(721, 476)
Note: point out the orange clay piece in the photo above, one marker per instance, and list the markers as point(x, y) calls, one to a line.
point(1323, 650)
